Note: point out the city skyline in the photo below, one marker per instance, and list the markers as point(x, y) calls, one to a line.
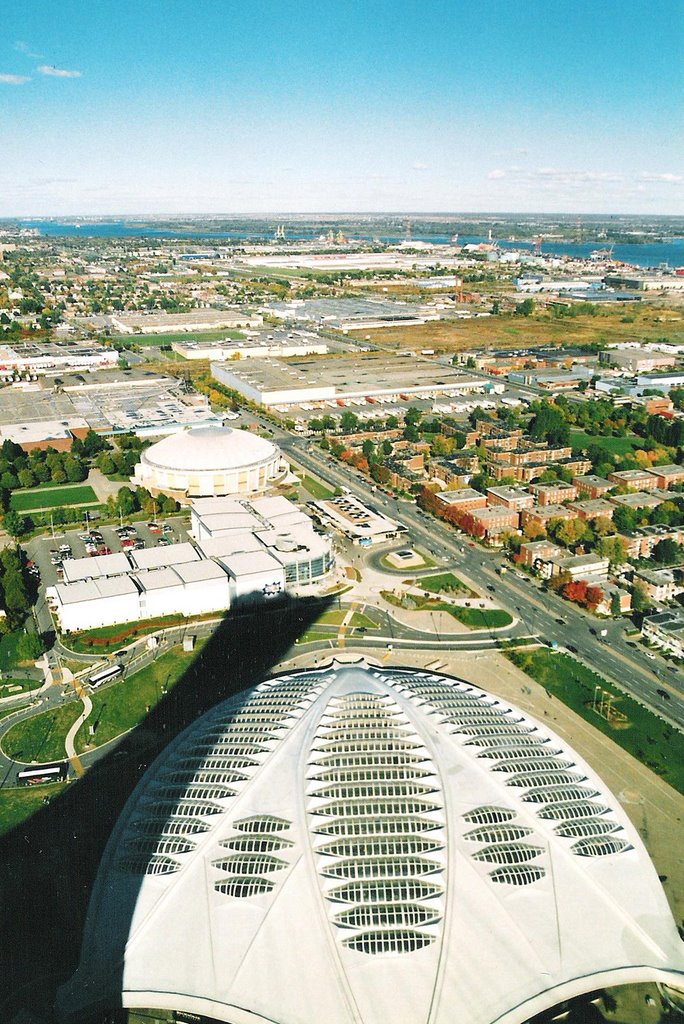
point(182, 109)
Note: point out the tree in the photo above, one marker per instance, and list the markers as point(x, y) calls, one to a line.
point(126, 501)
point(349, 421)
point(15, 595)
point(30, 646)
point(525, 308)
point(615, 607)
point(640, 599)
point(667, 551)
point(612, 548)
point(368, 448)
point(27, 478)
point(549, 424)
point(15, 524)
point(412, 416)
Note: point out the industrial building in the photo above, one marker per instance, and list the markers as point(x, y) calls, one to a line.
point(244, 551)
point(33, 357)
point(336, 380)
point(278, 344)
point(211, 461)
point(357, 845)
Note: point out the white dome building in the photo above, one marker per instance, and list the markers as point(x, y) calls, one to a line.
point(211, 462)
point(361, 845)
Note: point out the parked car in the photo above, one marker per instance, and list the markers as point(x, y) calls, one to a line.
point(154, 527)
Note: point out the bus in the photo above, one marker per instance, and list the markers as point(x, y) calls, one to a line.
point(41, 773)
point(104, 675)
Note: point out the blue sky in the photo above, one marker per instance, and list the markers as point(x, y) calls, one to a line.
point(219, 106)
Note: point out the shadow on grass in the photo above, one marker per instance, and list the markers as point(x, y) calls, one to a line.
point(49, 862)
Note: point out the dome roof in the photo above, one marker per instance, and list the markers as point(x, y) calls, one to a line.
point(209, 449)
point(358, 845)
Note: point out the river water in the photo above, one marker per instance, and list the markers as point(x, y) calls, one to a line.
point(646, 254)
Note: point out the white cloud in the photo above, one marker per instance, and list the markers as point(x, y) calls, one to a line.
point(667, 178)
point(14, 79)
point(496, 173)
point(50, 69)
point(418, 166)
point(24, 48)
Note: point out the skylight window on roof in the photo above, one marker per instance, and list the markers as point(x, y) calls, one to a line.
point(489, 815)
point(572, 810)
point(262, 823)
point(243, 886)
point(391, 941)
point(517, 875)
point(600, 846)
point(508, 853)
point(588, 827)
point(387, 890)
point(387, 915)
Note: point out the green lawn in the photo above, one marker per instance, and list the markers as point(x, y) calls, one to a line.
point(169, 339)
point(316, 489)
point(612, 445)
point(119, 708)
point(10, 686)
point(479, 618)
point(8, 650)
point(16, 805)
point(644, 735)
point(442, 582)
point(41, 738)
point(52, 497)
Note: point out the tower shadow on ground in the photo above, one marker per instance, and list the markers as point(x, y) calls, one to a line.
point(48, 863)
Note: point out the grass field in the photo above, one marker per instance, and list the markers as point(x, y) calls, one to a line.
point(612, 445)
point(52, 497)
point(168, 339)
point(644, 735)
point(122, 706)
point(510, 331)
point(479, 618)
point(41, 738)
point(9, 656)
point(16, 805)
point(442, 582)
point(316, 489)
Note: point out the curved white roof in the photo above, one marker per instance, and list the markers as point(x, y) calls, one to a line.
point(209, 448)
point(361, 845)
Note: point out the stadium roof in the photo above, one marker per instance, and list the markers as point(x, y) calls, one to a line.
point(359, 845)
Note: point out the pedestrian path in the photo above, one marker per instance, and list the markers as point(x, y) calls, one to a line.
point(69, 746)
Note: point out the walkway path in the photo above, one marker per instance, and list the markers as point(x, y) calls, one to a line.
point(71, 735)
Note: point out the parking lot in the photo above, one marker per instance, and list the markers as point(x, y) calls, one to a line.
point(81, 543)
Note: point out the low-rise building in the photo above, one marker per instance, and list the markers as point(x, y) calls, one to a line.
point(640, 543)
point(581, 566)
point(541, 515)
point(668, 476)
point(593, 508)
point(464, 500)
point(539, 555)
point(364, 526)
point(636, 479)
point(637, 499)
point(590, 486)
point(660, 584)
point(666, 629)
point(495, 520)
point(510, 497)
point(554, 492)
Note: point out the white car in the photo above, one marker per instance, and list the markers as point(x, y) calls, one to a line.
point(650, 654)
